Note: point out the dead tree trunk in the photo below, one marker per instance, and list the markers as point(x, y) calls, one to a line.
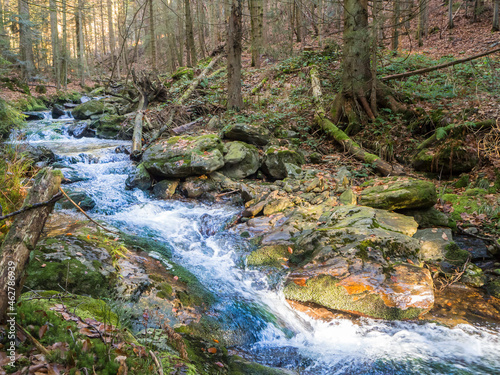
point(22, 239)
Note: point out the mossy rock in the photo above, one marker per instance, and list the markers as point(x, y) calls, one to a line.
point(86, 110)
point(241, 160)
point(276, 160)
point(450, 159)
point(254, 134)
point(114, 127)
point(401, 194)
point(165, 189)
point(184, 156)
point(271, 256)
point(430, 218)
point(139, 178)
point(455, 255)
point(462, 203)
point(80, 197)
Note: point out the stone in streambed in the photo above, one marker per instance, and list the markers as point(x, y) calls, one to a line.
point(139, 178)
point(58, 111)
point(275, 161)
point(165, 189)
point(400, 193)
point(81, 129)
point(253, 134)
point(184, 156)
point(241, 160)
point(86, 110)
point(195, 187)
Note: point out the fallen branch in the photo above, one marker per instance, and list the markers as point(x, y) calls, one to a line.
point(54, 199)
point(42, 349)
point(342, 138)
point(186, 127)
point(481, 125)
point(83, 212)
point(184, 97)
point(157, 363)
point(23, 237)
point(441, 66)
point(261, 84)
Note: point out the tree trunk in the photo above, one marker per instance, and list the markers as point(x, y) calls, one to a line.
point(423, 17)
point(450, 14)
point(152, 34)
point(64, 52)
point(496, 23)
point(4, 40)
point(25, 41)
point(256, 24)
point(189, 34)
point(396, 19)
point(111, 31)
point(79, 41)
point(234, 41)
point(54, 37)
point(22, 239)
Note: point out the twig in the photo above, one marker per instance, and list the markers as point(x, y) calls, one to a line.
point(157, 362)
point(83, 212)
point(42, 349)
point(226, 193)
point(54, 199)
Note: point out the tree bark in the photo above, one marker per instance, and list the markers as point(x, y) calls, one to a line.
point(54, 37)
point(450, 14)
point(79, 41)
point(234, 44)
point(64, 47)
point(25, 40)
point(189, 34)
point(395, 30)
point(111, 31)
point(22, 239)
point(256, 14)
point(423, 17)
point(152, 35)
point(496, 23)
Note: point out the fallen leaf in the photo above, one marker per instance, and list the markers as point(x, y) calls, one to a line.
point(43, 265)
point(290, 250)
point(212, 350)
point(219, 364)
point(217, 341)
point(42, 330)
point(445, 237)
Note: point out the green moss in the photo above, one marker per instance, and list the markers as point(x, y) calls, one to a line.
point(325, 291)
point(475, 192)
point(165, 291)
point(370, 158)
point(462, 182)
point(462, 203)
point(239, 366)
point(455, 255)
point(272, 256)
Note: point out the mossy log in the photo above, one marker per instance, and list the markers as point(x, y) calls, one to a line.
point(261, 84)
point(342, 138)
point(480, 125)
point(184, 97)
point(23, 237)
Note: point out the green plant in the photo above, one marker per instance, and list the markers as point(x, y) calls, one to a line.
point(10, 118)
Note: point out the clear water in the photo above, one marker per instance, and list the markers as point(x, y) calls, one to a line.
point(264, 327)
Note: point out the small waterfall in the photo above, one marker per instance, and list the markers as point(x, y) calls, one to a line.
point(264, 327)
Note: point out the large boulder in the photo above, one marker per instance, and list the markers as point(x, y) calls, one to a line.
point(58, 111)
point(434, 243)
point(241, 160)
point(399, 193)
point(361, 261)
point(87, 109)
point(253, 134)
point(184, 156)
point(276, 160)
point(165, 189)
point(114, 127)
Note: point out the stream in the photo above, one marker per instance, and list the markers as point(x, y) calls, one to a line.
point(269, 331)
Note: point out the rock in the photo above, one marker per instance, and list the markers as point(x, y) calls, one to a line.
point(276, 158)
point(253, 209)
point(184, 156)
point(403, 292)
point(240, 366)
point(80, 197)
point(139, 178)
point(253, 134)
point(494, 287)
point(277, 205)
point(473, 276)
point(114, 127)
point(34, 116)
point(439, 161)
point(165, 189)
point(71, 176)
point(195, 187)
point(315, 158)
point(38, 153)
point(58, 111)
point(429, 218)
point(86, 110)
point(348, 197)
point(272, 256)
point(241, 160)
point(343, 178)
point(396, 194)
point(434, 243)
point(81, 129)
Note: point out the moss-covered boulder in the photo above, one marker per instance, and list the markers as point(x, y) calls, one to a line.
point(430, 218)
point(241, 160)
point(195, 187)
point(139, 178)
point(276, 160)
point(253, 134)
point(114, 127)
point(434, 243)
point(81, 129)
point(399, 193)
point(79, 196)
point(184, 156)
point(87, 109)
point(239, 366)
point(455, 158)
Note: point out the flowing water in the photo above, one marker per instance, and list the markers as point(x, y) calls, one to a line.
point(264, 328)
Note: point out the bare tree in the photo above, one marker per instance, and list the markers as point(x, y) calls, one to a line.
point(234, 39)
